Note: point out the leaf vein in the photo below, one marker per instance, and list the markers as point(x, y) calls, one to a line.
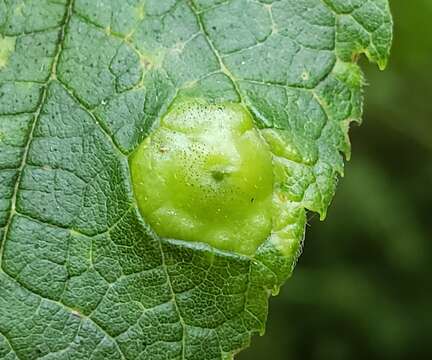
point(37, 114)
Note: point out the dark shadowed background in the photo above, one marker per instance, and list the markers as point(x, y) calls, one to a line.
point(363, 286)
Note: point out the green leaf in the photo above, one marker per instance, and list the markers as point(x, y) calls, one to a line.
point(82, 84)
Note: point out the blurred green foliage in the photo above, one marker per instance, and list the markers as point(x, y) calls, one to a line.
point(363, 288)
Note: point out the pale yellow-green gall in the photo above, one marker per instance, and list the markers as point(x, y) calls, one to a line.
point(205, 174)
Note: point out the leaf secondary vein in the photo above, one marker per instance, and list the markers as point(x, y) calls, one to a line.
point(70, 310)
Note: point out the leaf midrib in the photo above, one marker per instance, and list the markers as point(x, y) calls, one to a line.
point(12, 212)
point(36, 117)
